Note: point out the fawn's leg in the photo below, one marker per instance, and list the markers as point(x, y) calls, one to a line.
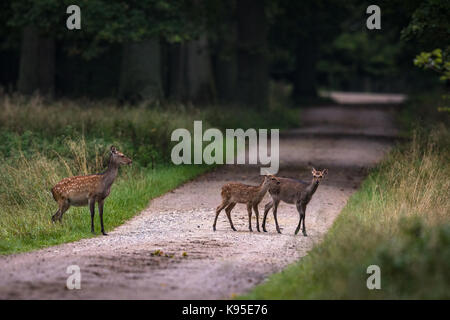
point(63, 207)
point(249, 210)
point(267, 207)
point(228, 211)
point(92, 208)
point(275, 215)
point(100, 212)
point(255, 208)
point(218, 209)
point(304, 215)
point(301, 213)
point(55, 216)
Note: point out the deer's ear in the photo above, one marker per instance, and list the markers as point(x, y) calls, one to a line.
point(313, 171)
point(325, 171)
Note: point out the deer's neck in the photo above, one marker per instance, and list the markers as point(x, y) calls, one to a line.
point(262, 189)
point(312, 187)
point(110, 174)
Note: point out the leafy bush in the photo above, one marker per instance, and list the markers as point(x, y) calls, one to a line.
point(436, 61)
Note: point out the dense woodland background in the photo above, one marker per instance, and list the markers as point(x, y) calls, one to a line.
point(215, 51)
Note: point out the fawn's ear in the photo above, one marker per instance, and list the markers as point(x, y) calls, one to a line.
point(325, 171)
point(313, 170)
point(113, 149)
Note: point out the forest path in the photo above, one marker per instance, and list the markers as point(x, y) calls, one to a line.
point(345, 139)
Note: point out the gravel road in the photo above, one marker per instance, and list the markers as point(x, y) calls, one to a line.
point(203, 264)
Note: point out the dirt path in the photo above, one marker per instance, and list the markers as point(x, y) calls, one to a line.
point(346, 140)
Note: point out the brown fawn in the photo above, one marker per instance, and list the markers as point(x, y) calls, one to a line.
point(233, 193)
point(293, 191)
point(86, 190)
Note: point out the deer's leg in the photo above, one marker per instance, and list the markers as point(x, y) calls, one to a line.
point(304, 215)
point(301, 211)
point(228, 211)
point(275, 215)
point(55, 216)
point(255, 208)
point(63, 207)
point(249, 210)
point(92, 208)
point(100, 212)
point(267, 208)
point(218, 209)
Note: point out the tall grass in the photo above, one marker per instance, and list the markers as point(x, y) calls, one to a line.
point(45, 141)
point(35, 125)
point(398, 220)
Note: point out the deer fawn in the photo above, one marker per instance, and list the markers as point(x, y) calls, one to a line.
point(293, 191)
point(86, 190)
point(233, 193)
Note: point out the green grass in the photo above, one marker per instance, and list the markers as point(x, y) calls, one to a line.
point(45, 141)
point(399, 220)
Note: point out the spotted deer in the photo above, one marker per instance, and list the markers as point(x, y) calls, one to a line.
point(296, 192)
point(233, 193)
point(86, 190)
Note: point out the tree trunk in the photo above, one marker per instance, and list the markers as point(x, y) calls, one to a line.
point(199, 80)
point(253, 79)
point(37, 63)
point(305, 72)
point(176, 72)
point(190, 77)
point(140, 77)
point(226, 78)
point(226, 65)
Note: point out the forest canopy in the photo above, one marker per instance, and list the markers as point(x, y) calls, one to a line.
point(218, 51)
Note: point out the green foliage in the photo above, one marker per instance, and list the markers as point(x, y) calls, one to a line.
point(430, 27)
point(359, 59)
point(429, 24)
point(320, 23)
point(360, 54)
point(436, 61)
point(106, 22)
point(423, 111)
point(415, 262)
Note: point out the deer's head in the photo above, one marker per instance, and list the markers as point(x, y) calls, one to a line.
point(271, 180)
point(318, 175)
point(118, 157)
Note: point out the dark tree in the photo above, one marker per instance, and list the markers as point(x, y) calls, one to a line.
point(37, 63)
point(253, 78)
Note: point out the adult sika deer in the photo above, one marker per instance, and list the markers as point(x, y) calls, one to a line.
point(293, 191)
point(233, 193)
point(86, 190)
